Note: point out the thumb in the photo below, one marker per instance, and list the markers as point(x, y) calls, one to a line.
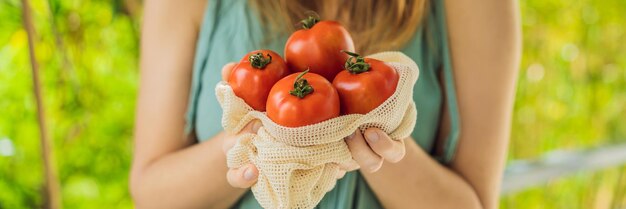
point(226, 70)
point(242, 177)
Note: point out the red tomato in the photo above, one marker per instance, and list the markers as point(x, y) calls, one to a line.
point(253, 78)
point(302, 99)
point(318, 47)
point(365, 84)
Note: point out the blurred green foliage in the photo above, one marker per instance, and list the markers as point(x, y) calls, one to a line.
point(89, 102)
point(570, 96)
point(572, 81)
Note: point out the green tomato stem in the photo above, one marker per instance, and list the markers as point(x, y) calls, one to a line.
point(309, 22)
point(301, 86)
point(258, 61)
point(356, 63)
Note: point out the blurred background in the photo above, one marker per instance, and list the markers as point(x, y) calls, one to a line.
point(568, 136)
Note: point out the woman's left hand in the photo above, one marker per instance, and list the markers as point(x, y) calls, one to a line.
point(371, 149)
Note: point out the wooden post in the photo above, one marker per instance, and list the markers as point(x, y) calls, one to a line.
point(51, 185)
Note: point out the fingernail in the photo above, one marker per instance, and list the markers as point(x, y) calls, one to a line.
point(351, 135)
point(249, 174)
point(256, 126)
point(374, 168)
point(371, 136)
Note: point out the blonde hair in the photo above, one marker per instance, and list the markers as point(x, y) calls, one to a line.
point(375, 25)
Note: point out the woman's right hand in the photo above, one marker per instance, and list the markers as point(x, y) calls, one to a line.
point(245, 176)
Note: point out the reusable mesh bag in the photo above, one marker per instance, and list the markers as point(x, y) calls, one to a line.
point(297, 166)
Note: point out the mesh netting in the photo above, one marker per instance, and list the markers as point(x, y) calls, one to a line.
point(297, 166)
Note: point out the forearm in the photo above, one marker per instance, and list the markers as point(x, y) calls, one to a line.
point(193, 177)
point(419, 180)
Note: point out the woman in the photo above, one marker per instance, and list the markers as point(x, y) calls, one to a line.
point(468, 55)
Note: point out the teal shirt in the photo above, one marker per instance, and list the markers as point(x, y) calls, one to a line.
point(230, 29)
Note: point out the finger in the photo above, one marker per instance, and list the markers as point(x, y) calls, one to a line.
point(362, 154)
point(340, 174)
point(349, 166)
point(228, 144)
point(252, 127)
point(389, 149)
point(230, 140)
point(242, 177)
point(227, 69)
